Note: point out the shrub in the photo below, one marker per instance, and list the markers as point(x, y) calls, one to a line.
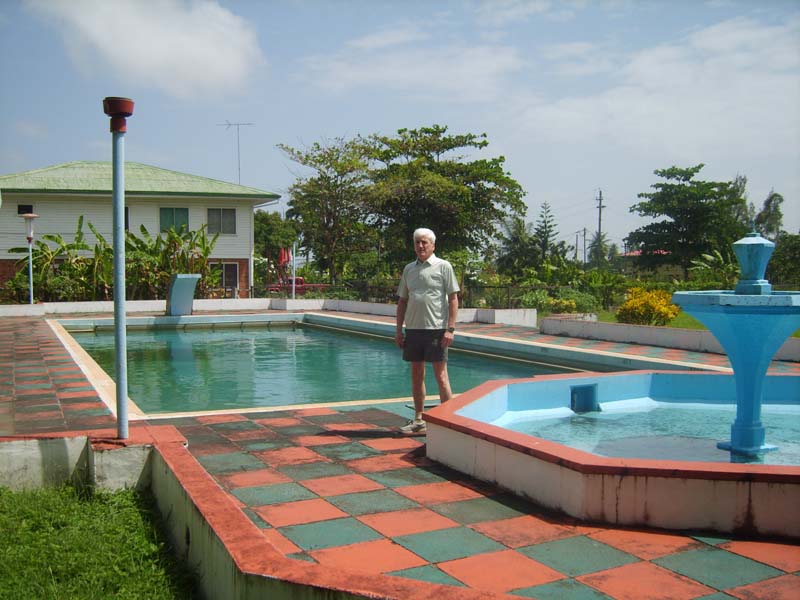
point(538, 299)
point(561, 305)
point(583, 301)
point(647, 307)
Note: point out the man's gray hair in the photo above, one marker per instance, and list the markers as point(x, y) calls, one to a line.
point(424, 232)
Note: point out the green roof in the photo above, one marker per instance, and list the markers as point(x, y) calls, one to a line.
point(95, 177)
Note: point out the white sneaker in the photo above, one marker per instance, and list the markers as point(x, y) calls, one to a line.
point(414, 427)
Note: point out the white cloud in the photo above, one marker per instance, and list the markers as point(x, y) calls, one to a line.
point(31, 129)
point(730, 88)
point(577, 59)
point(388, 37)
point(184, 47)
point(456, 73)
point(498, 13)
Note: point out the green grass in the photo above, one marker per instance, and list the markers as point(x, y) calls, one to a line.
point(66, 544)
point(683, 320)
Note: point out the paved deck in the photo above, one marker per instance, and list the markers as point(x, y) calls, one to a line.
point(336, 486)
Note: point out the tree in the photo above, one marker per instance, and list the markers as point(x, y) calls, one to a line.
point(545, 232)
point(699, 217)
point(599, 250)
point(769, 219)
point(518, 248)
point(328, 204)
point(420, 180)
point(782, 268)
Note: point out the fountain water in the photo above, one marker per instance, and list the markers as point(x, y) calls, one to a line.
point(750, 322)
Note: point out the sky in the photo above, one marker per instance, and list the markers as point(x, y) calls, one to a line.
point(579, 96)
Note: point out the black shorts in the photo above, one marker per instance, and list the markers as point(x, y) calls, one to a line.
point(424, 345)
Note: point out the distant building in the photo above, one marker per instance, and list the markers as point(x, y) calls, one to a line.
point(154, 197)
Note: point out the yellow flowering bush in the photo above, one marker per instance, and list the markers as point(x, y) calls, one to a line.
point(647, 307)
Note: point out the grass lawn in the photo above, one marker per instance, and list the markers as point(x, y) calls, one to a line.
point(683, 320)
point(62, 543)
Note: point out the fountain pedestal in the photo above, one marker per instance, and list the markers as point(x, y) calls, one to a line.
point(750, 323)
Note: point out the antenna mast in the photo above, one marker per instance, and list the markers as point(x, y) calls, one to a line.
point(227, 125)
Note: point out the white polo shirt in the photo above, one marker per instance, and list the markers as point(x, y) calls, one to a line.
point(426, 286)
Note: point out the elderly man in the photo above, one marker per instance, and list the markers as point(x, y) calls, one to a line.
point(428, 305)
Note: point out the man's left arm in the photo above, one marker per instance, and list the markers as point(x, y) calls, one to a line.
point(452, 314)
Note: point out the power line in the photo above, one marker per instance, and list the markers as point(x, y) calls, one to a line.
point(227, 125)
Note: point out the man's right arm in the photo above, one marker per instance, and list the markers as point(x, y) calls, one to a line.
point(402, 303)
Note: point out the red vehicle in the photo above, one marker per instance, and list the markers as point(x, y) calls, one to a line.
point(301, 287)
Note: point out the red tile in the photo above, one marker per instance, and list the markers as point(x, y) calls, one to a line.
point(315, 412)
point(785, 557)
point(387, 444)
point(250, 434)
point(500, 571)
point(279, 421)
point(254, 478)
point(299, 512)
point(319, 440)
point(646, 545)
point(341, 484)
point(347, 426)
point(785, 587)
point(524, 531)
point(279, 542)
point(374, 464)
point(82, 405)
point(81, 394)
point(406, 522)
point(377, 556)
point(290, 456)
point(644, 581)
point(436, 493)
point(204, 449)
point(211, 419)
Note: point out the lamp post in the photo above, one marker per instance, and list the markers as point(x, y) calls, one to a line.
point(29, 217)
point(119, 109)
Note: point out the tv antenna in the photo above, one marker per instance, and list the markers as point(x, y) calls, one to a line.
point(227, 125)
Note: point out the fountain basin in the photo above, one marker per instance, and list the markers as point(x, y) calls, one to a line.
point(753, 499)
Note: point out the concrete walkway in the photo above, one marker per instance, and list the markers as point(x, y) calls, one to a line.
point(337, 487)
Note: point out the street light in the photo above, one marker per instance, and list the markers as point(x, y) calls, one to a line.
point(29, 217)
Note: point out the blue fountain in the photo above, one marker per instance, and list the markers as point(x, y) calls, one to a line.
point(751, 323)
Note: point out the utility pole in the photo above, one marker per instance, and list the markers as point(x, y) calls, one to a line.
point(584, 246)
point(227, 125)
point(576, 245)
point(600, 207)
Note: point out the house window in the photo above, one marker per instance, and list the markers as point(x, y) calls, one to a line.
point(229, 278)
point(127, 220)
point(221, 220)
point(174, 218)
point(24, 209)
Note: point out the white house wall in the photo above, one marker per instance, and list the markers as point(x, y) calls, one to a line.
point(59, 215)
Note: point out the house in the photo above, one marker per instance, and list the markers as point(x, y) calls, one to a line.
point(154, 197)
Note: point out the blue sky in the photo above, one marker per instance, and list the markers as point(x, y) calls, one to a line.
point(578, 95)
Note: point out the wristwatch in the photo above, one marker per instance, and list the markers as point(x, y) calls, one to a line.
point(451, 329)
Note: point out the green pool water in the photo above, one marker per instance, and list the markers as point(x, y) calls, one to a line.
point(204, 369)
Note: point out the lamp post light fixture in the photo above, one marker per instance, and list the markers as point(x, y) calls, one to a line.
point(29, 217)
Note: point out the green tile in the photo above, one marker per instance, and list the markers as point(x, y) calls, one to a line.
point(716, 596)
point(403, 477)
point(717, 568)
point(578, 555)
point(236, 426)
point(273, 494)
point(256, 519)
point(564, 589)
point(428, 573)
point(710, 540)
point(258, 446)
point(297, 430)
point(349, 451)
point(448, 544)
point(481, 509)
point(313, 470)
point(228, 462)
point(326, 534)
point(364, 503)
point(301, 556)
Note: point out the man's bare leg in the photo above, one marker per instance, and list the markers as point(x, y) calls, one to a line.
point(418, 388)
point(442, 379)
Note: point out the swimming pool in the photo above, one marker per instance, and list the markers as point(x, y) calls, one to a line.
point(205, 369)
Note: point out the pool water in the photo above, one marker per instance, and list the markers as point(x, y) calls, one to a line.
point(204, 369)
point(660, 430)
